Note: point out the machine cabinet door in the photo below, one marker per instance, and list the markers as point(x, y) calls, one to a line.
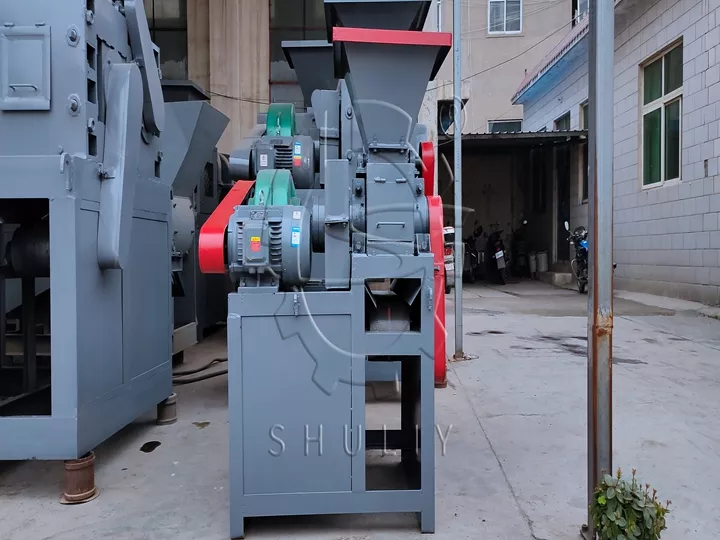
point(295, 423)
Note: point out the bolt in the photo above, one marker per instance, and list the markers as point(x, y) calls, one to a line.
point(73, 35)
point(349, 155)
point(89, 16)
point(419, 189)
point(60, 149)
point(349, 112)
point(159, 155)
point(74, 104)
point(91, 125)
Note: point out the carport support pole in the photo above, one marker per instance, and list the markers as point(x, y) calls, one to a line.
point(457, 175)
point(600, 301)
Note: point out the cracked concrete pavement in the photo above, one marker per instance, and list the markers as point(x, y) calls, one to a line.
point(514, 465)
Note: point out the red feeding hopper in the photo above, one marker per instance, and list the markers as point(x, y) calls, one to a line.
point(313, 64)
point(387, 72)
point(381, 14)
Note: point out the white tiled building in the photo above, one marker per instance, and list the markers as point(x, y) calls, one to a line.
point(667, 140)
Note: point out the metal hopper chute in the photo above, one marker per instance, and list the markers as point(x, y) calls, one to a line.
point(378, 14)
point(312, 61)
point(192, 131)
point(387, 72)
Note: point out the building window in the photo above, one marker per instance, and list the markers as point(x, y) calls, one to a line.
point(291, 20)
point(167, 20)
point(661, 117)
point(579, 10)
point(563, 123)
point(504, 126)
point(504, 16)
point(585, 162)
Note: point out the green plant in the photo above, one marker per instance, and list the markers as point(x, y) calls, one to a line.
point(623, 509)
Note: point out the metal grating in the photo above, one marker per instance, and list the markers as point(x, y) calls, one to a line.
point(276, 243)
point(239, 243)
point(283, 157)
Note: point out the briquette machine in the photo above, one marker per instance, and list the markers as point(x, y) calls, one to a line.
point(86, 312)
point(333, 239)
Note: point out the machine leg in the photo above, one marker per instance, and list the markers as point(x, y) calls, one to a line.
point(80, 480)
point(427, 521)
point(237, 527)
point(408, 404)
point(167, 411)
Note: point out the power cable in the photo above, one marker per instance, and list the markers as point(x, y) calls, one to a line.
point(512, 19)
point(182, 376)
point(551, 3)
point(548, 36)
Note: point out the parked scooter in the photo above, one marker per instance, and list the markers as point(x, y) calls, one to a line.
point(497, 258)
point(579, 264)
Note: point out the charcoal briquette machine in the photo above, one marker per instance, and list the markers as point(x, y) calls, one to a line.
point(92, 236)
point(333, 238)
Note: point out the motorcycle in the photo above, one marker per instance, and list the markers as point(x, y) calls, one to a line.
point(579, 264)
point(497, 257)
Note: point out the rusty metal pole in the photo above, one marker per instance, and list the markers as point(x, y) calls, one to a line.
point(457, 126)
point(600, 301)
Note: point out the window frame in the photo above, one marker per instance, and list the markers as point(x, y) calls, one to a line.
point(504, 32)
point(511, 121)
point(661, 104)
point(562, 117)
point(280, 30)
point(167, 27)
point(584, 155)
point(578, 14)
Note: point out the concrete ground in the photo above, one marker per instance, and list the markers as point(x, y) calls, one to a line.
point(515, 459)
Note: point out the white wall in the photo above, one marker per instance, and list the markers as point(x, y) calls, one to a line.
point(666, 238)
point(494, 65)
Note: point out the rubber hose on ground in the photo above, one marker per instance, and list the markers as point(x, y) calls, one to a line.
point(199, 378)
point(193, 371)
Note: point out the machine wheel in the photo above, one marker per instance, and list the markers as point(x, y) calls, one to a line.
point(582, 286)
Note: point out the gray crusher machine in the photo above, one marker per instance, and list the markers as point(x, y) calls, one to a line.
point(333, 206)
point(192, 165)
point(85, 202)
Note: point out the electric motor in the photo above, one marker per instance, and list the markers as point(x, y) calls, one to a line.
point(270, 244)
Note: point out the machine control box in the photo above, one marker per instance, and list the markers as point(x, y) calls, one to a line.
point(255, 244)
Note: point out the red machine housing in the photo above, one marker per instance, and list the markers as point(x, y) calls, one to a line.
point(437, 244)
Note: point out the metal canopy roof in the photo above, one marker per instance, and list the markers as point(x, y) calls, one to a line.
point(521, 139)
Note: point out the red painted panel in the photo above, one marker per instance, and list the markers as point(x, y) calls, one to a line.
point(427, 154)
point(391, 37)
point(211, 244)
